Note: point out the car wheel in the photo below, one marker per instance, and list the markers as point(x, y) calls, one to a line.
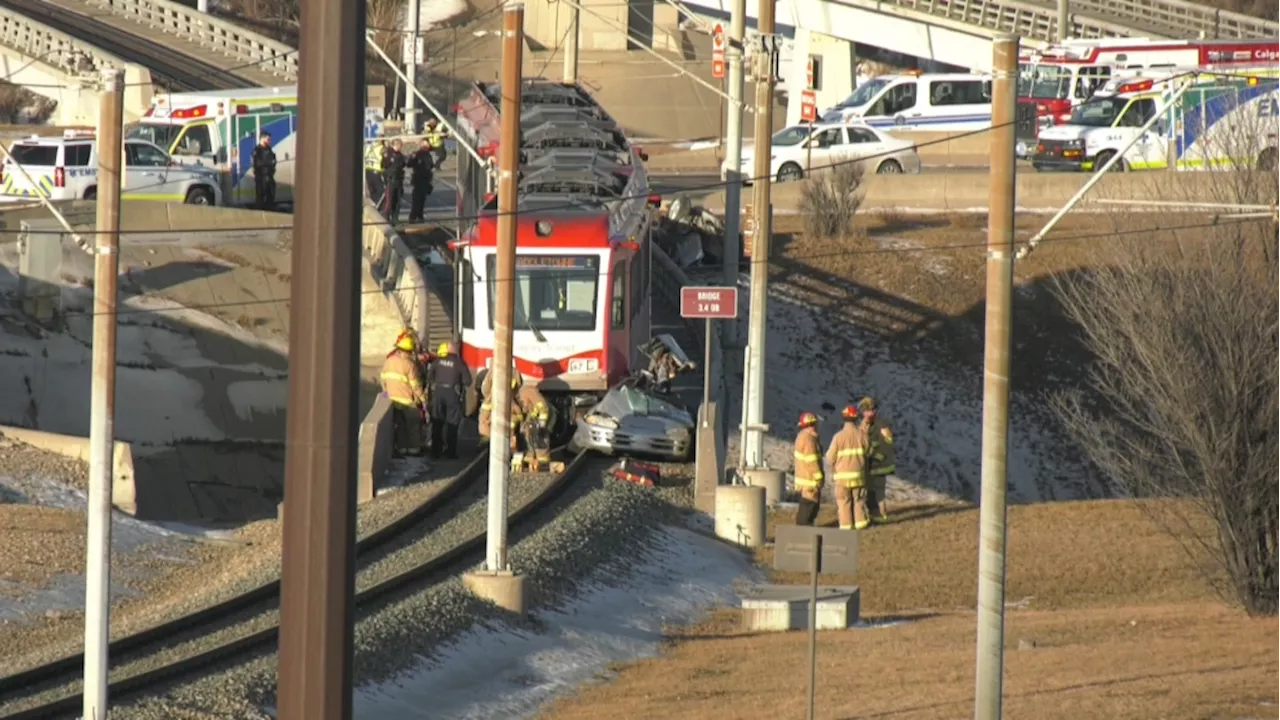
point(790, 172)
point(889, 167)
point(1104, 158)
point(1267, 160)
point(199, 196)
point(91, 194)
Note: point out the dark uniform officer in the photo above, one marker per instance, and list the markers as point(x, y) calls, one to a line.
point(393, 164)
point(422, 169)
point(447, 377)
point(264, 173)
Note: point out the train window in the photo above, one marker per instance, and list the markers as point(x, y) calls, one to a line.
point(637, 282)
point(553, 292)
point(468, 277)
point(618, 307)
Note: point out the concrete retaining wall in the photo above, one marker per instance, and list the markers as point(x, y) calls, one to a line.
point(394, 297)
point(123, 490)
point(970, 149)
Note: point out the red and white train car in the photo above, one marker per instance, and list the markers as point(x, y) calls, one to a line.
point(582, 272)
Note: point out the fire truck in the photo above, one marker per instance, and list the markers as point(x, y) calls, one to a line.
point(1053, 81)
point(582, 274)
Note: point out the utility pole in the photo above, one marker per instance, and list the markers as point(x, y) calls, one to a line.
point(317, 580)
point(412, 26)
point(202, 6)
point(995, 391)
point(1064, 21)
point(571, 45)
point(106, 269)
point(497, 583)
point(765, 63)
point(733, 162)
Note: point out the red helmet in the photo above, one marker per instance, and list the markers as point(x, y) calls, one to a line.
point(807, 419)
point(850, 412)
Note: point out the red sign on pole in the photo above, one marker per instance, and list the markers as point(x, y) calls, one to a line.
point(709, 303)
point(808, 106)
point(717, 52)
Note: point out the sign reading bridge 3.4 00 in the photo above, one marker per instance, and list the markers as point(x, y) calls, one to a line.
point(710, 303)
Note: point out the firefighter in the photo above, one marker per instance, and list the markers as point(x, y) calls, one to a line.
point(535, 416)
point(264, 173)
point(808, 469)
point(883, 461)
point(401, 380)
point(393, 165)
point(848, 459)
point(448, 377)
point(434, 142)
point(421, 173)
point(373, 153)
point(486, 407)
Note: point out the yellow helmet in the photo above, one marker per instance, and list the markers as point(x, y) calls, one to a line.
point(406, 340)
point(443, 350)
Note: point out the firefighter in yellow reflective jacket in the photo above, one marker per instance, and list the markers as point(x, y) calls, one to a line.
point(536, 421)
point(401, 380)
point(486, 408)
point(434, 137)
point(373, 168)
point(882, 463)
point(808, 469)
point(848, 459)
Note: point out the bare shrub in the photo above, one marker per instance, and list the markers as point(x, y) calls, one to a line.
point(1183, 326)
point(829, 200)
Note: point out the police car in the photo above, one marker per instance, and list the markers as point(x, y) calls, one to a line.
point(66, 168)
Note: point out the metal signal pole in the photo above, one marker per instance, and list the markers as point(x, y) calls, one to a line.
point(413, 27)
point(508, 166)
point(995, 393)
point(571, 45)
point(733, 162)
point(317, 581)
point(765, 62)
point(106, 270)
point(1064, 21)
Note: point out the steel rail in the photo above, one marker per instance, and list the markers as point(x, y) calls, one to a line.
point(445, 565)
point(171, 67)
point(67, 669)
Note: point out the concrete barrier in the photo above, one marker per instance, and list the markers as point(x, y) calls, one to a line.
point(394, 296)
point(1036, 191)
point(124, 494)
point(950, 148)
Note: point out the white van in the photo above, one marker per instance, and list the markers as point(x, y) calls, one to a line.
point(914, 101)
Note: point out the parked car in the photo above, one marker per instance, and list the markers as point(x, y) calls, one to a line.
point(800, 148)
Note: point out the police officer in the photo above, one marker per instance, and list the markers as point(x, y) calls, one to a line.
point(422, 171)
point(373, 169)
point(448, 377)
point(393, 165)
point(264, 173)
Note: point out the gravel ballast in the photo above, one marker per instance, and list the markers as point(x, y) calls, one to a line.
point(597, 521)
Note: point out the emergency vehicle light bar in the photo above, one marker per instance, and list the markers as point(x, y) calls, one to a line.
point(196, 112)
point(1136, 87)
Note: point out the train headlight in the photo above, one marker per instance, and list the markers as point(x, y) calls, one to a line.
point(583, 365)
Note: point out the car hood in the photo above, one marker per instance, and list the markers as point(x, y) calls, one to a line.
point(640, 410)
point(1063, 132)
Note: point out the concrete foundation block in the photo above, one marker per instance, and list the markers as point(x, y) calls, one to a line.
point(774, 483)
point(504, 589)
point(740, 515)
point(786, 607)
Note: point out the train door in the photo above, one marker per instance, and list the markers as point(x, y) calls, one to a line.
point(618, 337)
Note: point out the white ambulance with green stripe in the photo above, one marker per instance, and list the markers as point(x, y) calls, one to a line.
point(66, 168)
point(1222, 120)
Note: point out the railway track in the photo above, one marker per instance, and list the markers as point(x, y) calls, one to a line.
point(243, 626)
point(170, 68)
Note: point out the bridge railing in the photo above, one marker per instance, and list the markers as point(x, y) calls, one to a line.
point(244, 46)
point(1031, 22)
point(1183, 19)
point(53, 48)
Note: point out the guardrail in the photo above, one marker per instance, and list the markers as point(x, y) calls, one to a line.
point(53, 48)
point(1031, 22)
point(1183, 19)
point(244, 46)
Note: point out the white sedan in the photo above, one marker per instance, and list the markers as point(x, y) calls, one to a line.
point(800, 148)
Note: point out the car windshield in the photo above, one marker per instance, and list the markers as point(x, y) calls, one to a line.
point(553, 292)
point(162, 135)
point(793, 135)
point(1043, 82)
point(1098, 113)
point(865, 92)
point(626, 400)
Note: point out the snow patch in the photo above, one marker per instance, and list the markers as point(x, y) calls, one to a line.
point(509, 674)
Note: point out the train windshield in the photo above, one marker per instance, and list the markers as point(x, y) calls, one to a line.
point(553, 292)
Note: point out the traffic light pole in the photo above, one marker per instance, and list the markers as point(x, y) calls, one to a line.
point(733, 162)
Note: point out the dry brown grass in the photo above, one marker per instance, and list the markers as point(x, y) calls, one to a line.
point(1123, 626)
